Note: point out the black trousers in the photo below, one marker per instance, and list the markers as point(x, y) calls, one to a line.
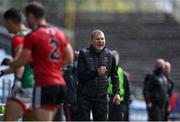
point(156, 113)
point(118, 112)
point(70, 112)
point(98, 106)
point(166, 112)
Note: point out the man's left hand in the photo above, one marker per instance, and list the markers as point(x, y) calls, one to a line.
point(116, 99)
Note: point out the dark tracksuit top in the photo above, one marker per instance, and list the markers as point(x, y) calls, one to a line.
point(155, 88)
point(90, 82)
point(155, 92)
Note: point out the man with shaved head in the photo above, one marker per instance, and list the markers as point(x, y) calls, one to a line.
point(160, 64)
point(155, 92)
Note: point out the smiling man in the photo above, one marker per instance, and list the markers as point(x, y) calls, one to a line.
point(95, 65)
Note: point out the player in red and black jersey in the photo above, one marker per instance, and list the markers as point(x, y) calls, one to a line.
point(48, 54)
point(50, 50)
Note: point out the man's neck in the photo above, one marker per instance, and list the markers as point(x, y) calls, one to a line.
point(41, 22)
point(20, 28)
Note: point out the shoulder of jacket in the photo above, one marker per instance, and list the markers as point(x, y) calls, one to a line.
point(150, 76)
point(84, 50)
point(108, 51)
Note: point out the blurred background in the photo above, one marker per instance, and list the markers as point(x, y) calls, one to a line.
point(140, 30)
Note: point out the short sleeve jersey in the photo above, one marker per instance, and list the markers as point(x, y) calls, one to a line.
point(16, 41)
point(47, 45)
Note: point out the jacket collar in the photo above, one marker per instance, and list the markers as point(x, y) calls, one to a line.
point(158, 72)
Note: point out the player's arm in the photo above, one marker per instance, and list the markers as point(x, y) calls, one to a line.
point(19, 71)
point(21, 60)
point(68, 55)
point(21, 56)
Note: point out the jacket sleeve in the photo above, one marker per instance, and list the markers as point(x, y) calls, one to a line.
point(83, 73)
point(170, 87)
point(146, 89)
point(127, 89)
point(114, 77)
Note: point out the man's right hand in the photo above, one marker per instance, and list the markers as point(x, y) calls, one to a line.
point(117, 99)
point(6, 61)
point(102, 70)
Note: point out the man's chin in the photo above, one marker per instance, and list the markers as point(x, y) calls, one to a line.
point(99, 49)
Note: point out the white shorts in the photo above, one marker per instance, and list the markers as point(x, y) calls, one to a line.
point(21, 95)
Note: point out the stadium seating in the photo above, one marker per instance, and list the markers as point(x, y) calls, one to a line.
point(140, 38)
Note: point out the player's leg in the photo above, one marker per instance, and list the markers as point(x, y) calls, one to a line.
point(13, 111)
point(14, 108)
point(42, 114)
point(39, 115)
point(29, 115)
point(18, 103)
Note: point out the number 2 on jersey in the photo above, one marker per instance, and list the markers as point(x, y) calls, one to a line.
point(54, 55)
